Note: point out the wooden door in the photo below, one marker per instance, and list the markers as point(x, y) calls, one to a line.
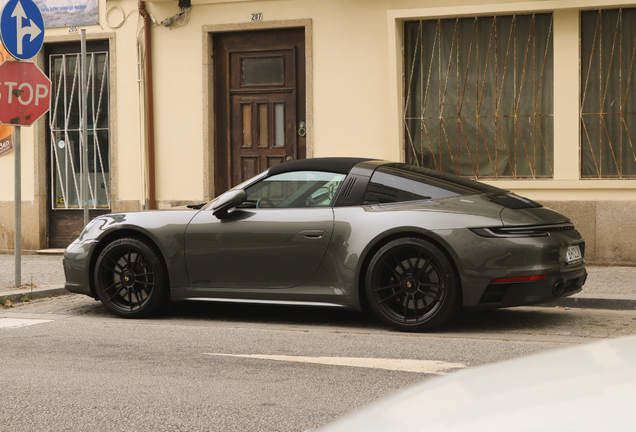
point(259, 102)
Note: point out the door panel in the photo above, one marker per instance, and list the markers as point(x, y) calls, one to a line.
point(257, 248)
point(262, 133)
point(259, 102)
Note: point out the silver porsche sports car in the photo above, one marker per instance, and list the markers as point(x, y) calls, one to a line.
point(412, 244)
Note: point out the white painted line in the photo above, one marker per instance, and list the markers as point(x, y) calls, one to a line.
point(16, 322)
point(404, 365)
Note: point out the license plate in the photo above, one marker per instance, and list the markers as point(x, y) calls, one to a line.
point(573, 255)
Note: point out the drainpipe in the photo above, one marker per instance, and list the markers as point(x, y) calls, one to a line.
point(150, 105)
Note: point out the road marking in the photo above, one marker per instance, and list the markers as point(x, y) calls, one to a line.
point(16, 322)
point(404, 365)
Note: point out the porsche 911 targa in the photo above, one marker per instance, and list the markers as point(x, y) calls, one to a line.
point(412, 244)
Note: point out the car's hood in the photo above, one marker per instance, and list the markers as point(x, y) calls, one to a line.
point(585, 388)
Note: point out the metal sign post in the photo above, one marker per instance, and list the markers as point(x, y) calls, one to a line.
point(84, 139)
point(24, 97)
point(25, 91)
point(18, 206)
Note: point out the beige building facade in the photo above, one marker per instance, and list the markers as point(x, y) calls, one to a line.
point(535, 97)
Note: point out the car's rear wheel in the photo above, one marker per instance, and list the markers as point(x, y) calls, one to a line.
point(411, 285)
point(130, 279)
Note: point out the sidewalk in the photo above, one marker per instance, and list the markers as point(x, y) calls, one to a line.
point(44, 271)
point(606, 287)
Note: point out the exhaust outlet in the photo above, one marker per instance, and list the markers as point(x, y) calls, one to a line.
point(558, 288)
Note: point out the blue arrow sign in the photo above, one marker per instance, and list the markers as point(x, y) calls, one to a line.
point(22, 28)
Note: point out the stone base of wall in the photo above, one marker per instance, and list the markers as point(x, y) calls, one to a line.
point(609, 228)
point(33, 225)
point(166, 204)
point(120, 206)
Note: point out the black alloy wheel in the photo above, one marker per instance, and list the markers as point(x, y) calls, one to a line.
point(130, 279)
point(411, 285)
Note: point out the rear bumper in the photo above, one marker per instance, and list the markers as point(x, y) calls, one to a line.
point(553, 287)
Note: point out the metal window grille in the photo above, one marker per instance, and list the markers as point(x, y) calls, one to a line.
point(478, 95)
point(608, 93)
point(65, 126)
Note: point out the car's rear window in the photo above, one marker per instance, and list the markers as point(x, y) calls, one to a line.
point(402, 182)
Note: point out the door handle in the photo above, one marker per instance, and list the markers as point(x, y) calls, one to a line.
point(312, 234)
point(302, 129)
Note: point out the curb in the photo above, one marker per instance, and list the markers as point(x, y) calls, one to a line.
point(16, 296)
point(571, 302)
point(593, 303)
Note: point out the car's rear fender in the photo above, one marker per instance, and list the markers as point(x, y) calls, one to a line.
point(402, 232)
point(361, 230)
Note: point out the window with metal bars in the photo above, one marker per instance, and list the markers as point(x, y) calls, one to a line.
point(608, 93)
point(65, 124)
point(478, 95)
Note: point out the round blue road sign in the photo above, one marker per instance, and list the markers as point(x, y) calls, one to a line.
point(22, 28)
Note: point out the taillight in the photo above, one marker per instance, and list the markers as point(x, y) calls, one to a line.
point(519, 279)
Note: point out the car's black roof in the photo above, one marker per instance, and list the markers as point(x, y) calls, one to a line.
point(341, 165)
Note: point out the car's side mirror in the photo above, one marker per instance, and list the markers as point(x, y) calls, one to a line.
point(227, 201)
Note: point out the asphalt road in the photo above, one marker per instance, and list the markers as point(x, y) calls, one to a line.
point(236, 367)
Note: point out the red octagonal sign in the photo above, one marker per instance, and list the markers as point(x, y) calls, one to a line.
point(24, 93)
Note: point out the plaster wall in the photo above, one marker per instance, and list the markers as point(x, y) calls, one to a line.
point(355, 106)
point(356, 81)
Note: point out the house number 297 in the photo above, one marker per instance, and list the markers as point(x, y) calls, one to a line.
point(257, 16)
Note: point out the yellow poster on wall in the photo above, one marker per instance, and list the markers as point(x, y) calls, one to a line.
point(6, 132)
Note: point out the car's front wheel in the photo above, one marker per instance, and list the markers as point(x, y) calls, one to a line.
point(130, 278)
point(411, 285)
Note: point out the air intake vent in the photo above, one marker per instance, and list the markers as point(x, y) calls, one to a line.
point(494, 293)
point(346, 191)
point(559, 228)
point(513, 201)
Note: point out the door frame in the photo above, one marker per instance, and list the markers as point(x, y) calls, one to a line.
point(209, 109)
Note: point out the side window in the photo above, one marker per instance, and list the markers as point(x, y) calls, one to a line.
point(389, 185)
point(295, 190)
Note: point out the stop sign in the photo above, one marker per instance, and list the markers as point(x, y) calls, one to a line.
point(24, 93)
